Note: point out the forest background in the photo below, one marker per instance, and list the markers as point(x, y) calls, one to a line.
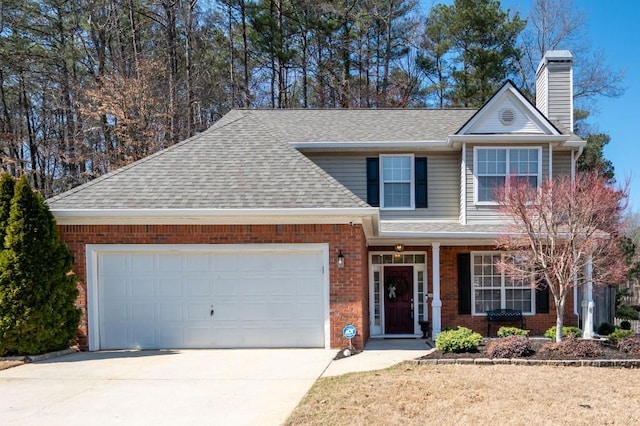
point(87, 86)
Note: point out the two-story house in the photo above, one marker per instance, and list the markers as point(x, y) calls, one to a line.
point(277, 228)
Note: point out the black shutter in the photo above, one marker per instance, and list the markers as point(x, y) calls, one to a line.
point(373, 182)
point(542, 300)
point(464, 283)
point(421, 182)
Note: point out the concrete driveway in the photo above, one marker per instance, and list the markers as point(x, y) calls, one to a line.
point(202, 387)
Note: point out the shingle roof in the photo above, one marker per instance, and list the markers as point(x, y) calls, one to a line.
point(442, 228)
point(237, 163)
point(245, 161)
point(363, 125)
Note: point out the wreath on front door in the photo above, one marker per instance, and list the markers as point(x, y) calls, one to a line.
point(396, 286)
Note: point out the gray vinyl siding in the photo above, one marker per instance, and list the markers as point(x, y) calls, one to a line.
point(349, 170)
point(561, 163)
point(443, 182)
point(559, 92)
point(481, 213)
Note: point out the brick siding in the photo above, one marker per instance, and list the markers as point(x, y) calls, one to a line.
point(349, 294)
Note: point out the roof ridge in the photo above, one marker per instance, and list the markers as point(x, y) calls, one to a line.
point(313, 166)
point(143, 160)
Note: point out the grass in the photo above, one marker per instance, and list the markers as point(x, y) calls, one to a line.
point(8, 364)
point(411, 394)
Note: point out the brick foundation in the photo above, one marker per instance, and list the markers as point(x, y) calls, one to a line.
point(349, 290)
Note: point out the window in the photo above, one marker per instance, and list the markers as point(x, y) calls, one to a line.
point(494, 165)
point(493, 290)
point(397, 182)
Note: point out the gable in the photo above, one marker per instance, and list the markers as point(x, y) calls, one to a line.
point(508, 112)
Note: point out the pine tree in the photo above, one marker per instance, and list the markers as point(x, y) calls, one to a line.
point(7, 186)
point(37, 287)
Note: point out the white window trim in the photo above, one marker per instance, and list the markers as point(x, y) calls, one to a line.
point(412, 182)
point(502, 288)
point(508, 149)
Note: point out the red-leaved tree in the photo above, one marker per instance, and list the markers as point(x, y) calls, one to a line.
point(556, 230)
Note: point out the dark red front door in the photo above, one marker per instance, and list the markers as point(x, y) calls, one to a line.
point(398, 298)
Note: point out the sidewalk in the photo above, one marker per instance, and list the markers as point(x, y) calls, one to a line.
point(379, 354)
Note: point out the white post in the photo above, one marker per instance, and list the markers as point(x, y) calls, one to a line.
point(588, 323)
point(436, 303)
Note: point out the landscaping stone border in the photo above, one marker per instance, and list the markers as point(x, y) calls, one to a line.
point(618, 363)
point(35, 358)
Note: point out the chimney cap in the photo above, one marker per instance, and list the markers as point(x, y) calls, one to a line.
point(555, 56)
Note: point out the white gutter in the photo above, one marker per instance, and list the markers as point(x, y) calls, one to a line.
point(191, 216)
point(507, 138)
point(371, 144)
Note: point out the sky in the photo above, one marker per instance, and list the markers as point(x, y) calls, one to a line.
point(612, 28)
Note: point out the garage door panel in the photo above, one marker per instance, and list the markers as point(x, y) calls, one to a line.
point(169, 262)
point(114, 287)
point(198, 312)
point(164, 299)
point(114, 262)
point(141, 262)
point(142, 287)
point(170, 312)
point(199, 287)
point(225, 286)
point(196, 262)
point(170, 287)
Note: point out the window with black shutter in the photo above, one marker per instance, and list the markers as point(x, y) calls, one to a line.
point(396, 187)
point(464, 283)
point(373, 181)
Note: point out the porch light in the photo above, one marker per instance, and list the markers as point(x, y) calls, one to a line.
point(399, 248)
point(340, 259)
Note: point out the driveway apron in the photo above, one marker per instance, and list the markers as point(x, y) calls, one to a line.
point(204, 387)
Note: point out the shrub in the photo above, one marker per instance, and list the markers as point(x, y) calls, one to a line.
point(627, 312)
point(37, 286)
point(509, 347)
point(512, 331)
point(460, 339)
point(630, 345)
point(575, 348)
point(625, 325)
point(566, 332)
point(605, 329)
point(619, 334)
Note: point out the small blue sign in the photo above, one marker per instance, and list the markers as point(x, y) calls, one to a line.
point(349, 331)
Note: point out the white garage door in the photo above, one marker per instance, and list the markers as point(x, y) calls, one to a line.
point(211, 298)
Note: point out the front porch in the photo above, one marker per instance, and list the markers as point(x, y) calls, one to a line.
point(442, 285)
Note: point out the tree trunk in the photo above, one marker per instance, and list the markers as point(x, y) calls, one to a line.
point(559, 318)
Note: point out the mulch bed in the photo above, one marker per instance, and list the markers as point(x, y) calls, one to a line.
point(609, 352)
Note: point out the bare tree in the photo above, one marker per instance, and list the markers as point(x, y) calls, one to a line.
point(558, 231)
point(557, 24)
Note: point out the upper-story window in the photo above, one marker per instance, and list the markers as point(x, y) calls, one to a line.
point(397, 182)
point(492, 166)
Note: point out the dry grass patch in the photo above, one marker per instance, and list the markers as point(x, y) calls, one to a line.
point(410, 394)
point(8, 364)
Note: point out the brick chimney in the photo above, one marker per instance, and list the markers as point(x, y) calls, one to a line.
point(554, 87)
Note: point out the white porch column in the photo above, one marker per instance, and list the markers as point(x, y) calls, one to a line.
point(436, 303)
point(588, 321)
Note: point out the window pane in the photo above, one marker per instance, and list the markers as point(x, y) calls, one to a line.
point(397, 195)
point(519, 299)
point(487, 186)
point(396, 169)
point(486, 300)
